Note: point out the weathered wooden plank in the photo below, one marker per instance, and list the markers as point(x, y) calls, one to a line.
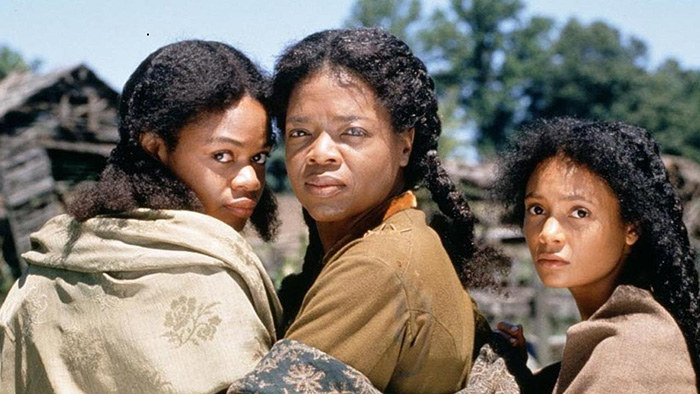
point(12, 160)
point(14, 198)
point(27, 172)
point(28, 218)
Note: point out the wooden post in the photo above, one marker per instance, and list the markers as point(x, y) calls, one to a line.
point(542, 324)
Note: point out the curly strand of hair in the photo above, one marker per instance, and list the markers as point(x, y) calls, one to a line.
point(677, 263)
point(476, 266)
point(682, 301)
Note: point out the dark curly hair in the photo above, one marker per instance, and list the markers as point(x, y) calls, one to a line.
point(169, 89)
point(402, 85)
point(627, 158)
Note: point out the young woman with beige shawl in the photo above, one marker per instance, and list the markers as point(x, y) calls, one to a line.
point(147, 285)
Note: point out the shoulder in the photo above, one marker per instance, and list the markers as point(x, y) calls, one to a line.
point(397, 242)
point(631, 338)
point(630, 318)
point(631, 311)
point(405, 252)
point(27, 299)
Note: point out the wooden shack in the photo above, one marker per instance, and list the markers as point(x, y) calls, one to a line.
point(56, 130)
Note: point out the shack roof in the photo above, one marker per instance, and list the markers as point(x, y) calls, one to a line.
point(18, 90)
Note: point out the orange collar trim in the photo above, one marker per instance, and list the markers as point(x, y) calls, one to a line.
point(404, 201)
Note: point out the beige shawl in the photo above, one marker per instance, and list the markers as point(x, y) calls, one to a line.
point(630, 345)
point(150, 302)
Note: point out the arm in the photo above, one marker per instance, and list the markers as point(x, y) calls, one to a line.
point(293, 367)
point(357, 312)
point(7, 361)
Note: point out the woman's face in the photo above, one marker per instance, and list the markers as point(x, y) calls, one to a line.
point(343, 158)
point(573, 227)
point(221, 157)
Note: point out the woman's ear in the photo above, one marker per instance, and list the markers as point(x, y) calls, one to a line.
point(154, 146)
point(631, 234)
point(406, 138)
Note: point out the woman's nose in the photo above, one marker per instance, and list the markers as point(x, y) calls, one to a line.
point(552, 232)
point(246, 179)
point(323, 151)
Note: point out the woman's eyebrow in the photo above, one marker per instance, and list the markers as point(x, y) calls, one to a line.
point(298, 119)
point(570, 197)
point(577, 197)
point(224, 140)
point(336, 118)
point(348, 118)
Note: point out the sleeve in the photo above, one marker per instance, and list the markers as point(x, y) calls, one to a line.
point(293, 367)
point(7, 360)
point(357, 312)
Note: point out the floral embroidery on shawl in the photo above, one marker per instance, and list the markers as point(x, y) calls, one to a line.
point(490, 375)
point(187, 323)
point(35, 305)
point(293, 367)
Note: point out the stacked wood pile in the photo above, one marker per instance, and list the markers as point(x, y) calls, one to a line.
point(55, 130)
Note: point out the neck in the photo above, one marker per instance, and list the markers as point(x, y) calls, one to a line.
point(591, 297)
point(587, 304)
point(332, 232)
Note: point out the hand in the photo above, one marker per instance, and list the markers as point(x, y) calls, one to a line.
point(514, 335)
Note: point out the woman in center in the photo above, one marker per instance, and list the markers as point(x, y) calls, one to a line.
point(380, 290)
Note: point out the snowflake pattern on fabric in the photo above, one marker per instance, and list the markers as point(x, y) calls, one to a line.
point(292, 367)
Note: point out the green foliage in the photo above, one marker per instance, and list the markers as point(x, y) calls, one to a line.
point(276, 171)
point(668, 103)
point(588, 72)
point(10, 61)
point(394, 15)
point(496, 70)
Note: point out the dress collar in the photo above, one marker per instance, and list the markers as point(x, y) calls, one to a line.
point(373, 218)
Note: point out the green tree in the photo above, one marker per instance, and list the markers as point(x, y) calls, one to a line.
point(10, 61)
point(467, 47)
point(495, 70)
point(593, 72)
point(396, 16)
point(477, 67)
point(668, 104)
point(590, 70)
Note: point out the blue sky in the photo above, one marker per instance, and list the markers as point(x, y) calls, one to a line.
point(112, 37)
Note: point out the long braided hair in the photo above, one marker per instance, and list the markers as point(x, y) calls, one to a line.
point(627, 158)
point(169, 89)
point(402, 85)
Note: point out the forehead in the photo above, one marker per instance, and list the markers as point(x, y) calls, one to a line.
point(334, 88)
point(560, 177)
point(244, 122)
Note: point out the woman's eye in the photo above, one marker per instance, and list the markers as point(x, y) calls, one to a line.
point(260, 158)
point(580, 213)
point(296, 133)
point(223, 157)
point(535, 210)
point(355, 132)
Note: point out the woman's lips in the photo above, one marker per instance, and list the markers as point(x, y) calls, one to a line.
point(324, 186)
point(551, 261)
point(242, 207)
